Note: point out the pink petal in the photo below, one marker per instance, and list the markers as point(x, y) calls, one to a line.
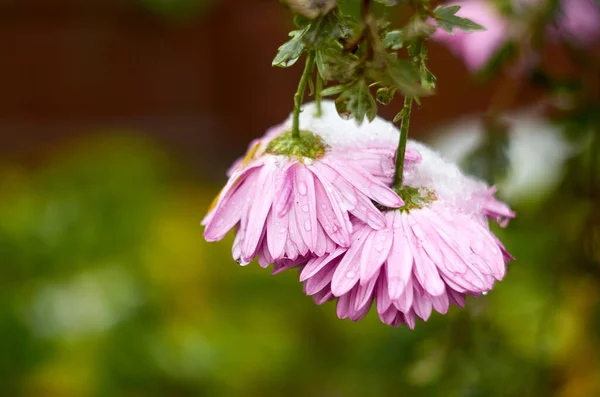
point(382, 294)
point(259, 210)
point(295, 235)
point(364, 294)
point(319, 281)
point(323, 296)
point(424, 269)
point(330, 214)
point(316, 264)
point(277, 233)
point(400, 260)
point(305, 205)
point(343, 306)
point(347, 272)
point(374, 253)
point(440, 303)
point(405, 301)
point(229, 213)
point(366, 184)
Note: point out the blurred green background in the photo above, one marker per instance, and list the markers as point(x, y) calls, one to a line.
point(107, 287)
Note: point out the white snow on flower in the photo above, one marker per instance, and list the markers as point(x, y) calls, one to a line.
point(338, 132)
point(536, 152)
point(443, 178)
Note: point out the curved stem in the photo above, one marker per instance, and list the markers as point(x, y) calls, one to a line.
point(408, 100)
point(310, 62)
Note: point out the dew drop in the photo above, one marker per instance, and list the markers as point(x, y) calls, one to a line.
point(305, 208)
point(379, 247)
point(324, 206)
point(327, 228)
point(307, 226)
point(302, 188)
point(484, 293)
point(282, 230)
point(350, 274)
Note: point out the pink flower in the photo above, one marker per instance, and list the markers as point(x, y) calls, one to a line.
point(432, 252)
point(579, 21)
point(476, 48)
point(287, 206)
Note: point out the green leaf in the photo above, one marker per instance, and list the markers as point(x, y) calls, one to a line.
point(329, 28)
point(446, 19)
point(357, 102)
point(385, 95)
point(291, 51)
point(400, 115)
point(334, 64)
point(394, 40)
point(335, 90)
point(400, 74)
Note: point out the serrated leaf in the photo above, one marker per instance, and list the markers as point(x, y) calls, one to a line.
point(446, 19)
point(291, 51)
point(394, 40)
point(357, 102)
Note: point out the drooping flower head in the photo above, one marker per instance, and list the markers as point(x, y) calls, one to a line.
point(288, 198)
point(432, 252)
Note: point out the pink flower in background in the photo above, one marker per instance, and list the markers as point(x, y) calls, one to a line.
point(286, 207)
point(476, 48)
point(431, 253)
point(579, 21)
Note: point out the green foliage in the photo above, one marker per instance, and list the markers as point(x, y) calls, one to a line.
point(356, 102)
point(290, 52)
point(358, 56)
point(446, 19)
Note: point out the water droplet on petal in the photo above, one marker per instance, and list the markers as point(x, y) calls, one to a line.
point(282, 230)
point(302, 188)
point(307, 226)
point(350, 274)
point(324, 206)
point(305, 208)
point(484, 293)
point(379, 247)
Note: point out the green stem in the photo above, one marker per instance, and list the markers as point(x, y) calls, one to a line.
point(318, 96)
point(408, 100)
point(310, 62)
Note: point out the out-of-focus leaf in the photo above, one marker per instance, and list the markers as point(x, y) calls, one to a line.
point(448, 20)
point(357, 102)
